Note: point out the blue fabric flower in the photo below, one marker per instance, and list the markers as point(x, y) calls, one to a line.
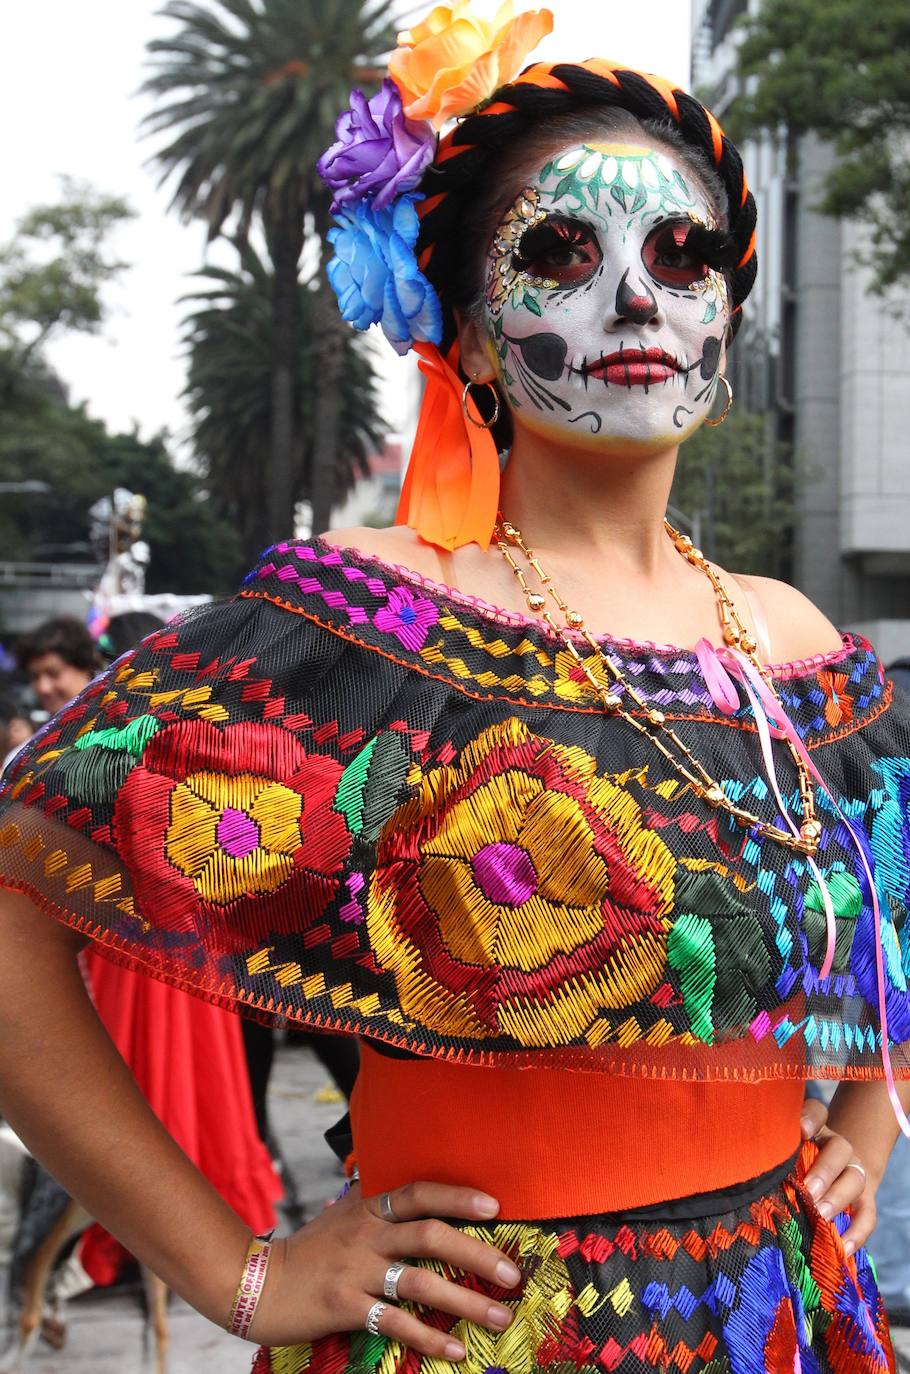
point(375, 276)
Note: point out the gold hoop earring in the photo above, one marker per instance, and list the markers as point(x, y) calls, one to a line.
point(727, 408)
point(480, 424)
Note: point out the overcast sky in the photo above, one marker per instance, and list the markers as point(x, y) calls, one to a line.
point(69, 73)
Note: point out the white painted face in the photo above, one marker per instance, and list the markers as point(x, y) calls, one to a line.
point(606, 327)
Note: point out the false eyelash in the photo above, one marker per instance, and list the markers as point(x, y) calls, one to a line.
point(538, 239)
point(716, 248)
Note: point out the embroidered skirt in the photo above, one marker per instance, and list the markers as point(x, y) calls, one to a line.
point(749, 1280)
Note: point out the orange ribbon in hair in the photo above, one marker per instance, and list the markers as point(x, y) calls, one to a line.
point(450, 494)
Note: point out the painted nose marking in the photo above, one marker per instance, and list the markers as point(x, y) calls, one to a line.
point(634, 306)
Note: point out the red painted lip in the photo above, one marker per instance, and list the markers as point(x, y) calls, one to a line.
point(633, 367)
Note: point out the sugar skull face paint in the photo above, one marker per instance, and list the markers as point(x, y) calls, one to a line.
point(605, 302)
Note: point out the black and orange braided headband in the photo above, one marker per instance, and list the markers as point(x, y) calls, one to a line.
point(547, 89)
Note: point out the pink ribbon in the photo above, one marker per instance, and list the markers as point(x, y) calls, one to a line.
point(722, 669)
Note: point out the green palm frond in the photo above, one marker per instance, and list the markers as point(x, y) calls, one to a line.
point(228, 332)
point(247, 93)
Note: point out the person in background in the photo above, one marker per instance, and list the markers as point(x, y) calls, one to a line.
point(58, 658)
point(15, 729)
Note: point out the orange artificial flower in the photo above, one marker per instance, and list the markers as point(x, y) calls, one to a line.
point(454, 60)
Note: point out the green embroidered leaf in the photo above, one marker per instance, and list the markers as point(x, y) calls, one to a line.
point(847, 900)
point(745, 972)
point(530, 303)
point(846, 895)
point(690, 951)
point(351, 784)
point(129, 739)
point(369, 789)
point(708, 894)
point(797, 1268)
point(94, 776)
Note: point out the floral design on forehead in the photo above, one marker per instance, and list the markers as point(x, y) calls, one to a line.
point(591, 172)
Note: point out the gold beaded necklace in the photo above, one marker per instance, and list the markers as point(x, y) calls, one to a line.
point(651, 723)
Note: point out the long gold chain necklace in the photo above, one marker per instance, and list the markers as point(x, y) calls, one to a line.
point(651, 723)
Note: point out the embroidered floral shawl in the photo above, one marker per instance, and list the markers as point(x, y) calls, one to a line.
point(354, 799)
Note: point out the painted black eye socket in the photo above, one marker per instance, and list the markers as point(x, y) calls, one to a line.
point(564, 250)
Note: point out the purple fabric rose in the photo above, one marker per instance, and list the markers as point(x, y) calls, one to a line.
point(378, 150)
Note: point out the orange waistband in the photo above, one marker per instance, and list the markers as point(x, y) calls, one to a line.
point(551, 1142)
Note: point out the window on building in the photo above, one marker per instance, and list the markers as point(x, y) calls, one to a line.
point(722, 14)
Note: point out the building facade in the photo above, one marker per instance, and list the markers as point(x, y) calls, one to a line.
point(825, 360)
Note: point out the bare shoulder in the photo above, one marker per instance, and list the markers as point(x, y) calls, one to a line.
point(797, 628)
point(395, 544)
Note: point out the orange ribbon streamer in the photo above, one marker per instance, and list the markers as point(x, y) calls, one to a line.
point(451, 488)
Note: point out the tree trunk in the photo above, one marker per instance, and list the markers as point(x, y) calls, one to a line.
point(327, 410)
point(285, 247)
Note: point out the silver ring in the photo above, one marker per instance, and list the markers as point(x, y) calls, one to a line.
point(854, 1165)
point(374, 1317)
point(386, 1210)
point(390, 1282)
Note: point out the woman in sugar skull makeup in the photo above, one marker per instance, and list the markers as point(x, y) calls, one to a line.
point(600, 849)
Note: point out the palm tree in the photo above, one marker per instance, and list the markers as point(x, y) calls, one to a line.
point(229, 331)
point(250, 91)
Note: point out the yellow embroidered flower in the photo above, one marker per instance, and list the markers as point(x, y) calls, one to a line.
point(233, 835)
point(455, 59)
point(518, 894)
point(572, 683)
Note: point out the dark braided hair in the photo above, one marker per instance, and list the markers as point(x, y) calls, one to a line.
point(463, 164)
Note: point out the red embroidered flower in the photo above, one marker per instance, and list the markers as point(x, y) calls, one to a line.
point(231, 833)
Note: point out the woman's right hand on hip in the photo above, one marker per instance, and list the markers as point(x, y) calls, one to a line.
point(329, 1274)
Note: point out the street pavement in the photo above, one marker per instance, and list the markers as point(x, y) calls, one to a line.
point(107, 1331)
